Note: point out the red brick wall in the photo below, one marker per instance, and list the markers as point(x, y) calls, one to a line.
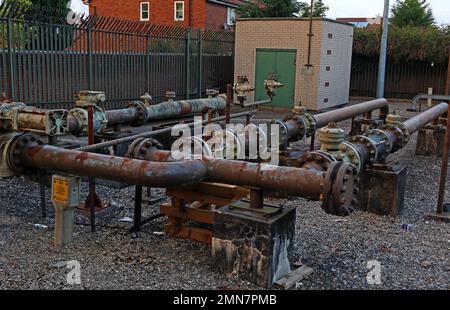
point(216, 16)
point(161, 11)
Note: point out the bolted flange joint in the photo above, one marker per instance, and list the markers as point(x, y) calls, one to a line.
point(19, 145)
point(142, 147)
point(339, 188)
point(142, 112)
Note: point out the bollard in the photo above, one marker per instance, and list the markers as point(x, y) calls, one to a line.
point(65, 197)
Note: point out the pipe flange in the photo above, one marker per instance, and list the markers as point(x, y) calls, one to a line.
point(16, 149)
point(370, 145)
point(284, 131)
point(384, 137)
point(351, 154)
point(81, 115)
point(317, 160)
point(140, 148)
point(399, 136)
point(405, 131)
point(339, 189)
point(142, 112)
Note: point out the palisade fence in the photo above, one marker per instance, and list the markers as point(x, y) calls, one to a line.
point(404, 80)
point(44, 61)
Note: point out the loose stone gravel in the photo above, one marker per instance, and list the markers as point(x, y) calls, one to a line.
point(338, 249)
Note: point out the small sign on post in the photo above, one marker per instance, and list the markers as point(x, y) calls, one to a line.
point(65, 197)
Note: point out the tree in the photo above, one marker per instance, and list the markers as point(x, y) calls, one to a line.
point(269, 8)
point(319, 10)
point(57, 4)
point(416, 13)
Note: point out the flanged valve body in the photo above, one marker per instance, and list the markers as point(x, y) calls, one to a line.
point(330, 137)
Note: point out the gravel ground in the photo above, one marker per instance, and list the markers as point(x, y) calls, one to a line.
point(337, 248)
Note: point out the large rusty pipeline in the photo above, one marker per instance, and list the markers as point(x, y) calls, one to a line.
point(139, 113)
point(335, 187)
point(375, 145)
point(303, 124)
point(323, 119)
point(415, 123)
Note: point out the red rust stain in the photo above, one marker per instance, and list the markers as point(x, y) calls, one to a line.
point(33, 150)
point(82, 156)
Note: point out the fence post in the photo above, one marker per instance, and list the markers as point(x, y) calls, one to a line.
point(90, 68)
point(200, 65)
point(148, 60)
point(12, 83)
point(188, 63)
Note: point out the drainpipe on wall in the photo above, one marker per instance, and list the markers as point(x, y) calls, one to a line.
point(310, 34)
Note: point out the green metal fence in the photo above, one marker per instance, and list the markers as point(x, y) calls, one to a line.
point(44, 61)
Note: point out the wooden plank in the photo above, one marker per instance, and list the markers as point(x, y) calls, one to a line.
point(196, 234)
point(191, 196)
point(210, 189)
point(292, 278)
point(194, 214)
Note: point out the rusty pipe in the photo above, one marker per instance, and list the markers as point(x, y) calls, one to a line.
point(338, 115)
point(415, 123)
point(131, 171)
point(300, 182)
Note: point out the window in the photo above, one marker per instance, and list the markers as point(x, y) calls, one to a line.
point(327, 84)
point(328, 52)
point(179, 11)
point(330, 36)
point(325, 100)
point(145, 11)
point(231, 16)
point(328, 68)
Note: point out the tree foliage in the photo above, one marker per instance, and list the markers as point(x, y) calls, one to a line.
point(416, 13)
point(405, 43)
point(57, 4)
point(319, 9)
point(269, 8)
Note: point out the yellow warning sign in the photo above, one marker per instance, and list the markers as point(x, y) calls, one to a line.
point(60, 190)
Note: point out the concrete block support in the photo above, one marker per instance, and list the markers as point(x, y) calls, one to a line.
point(257, 248)
point(382, 189)
point(430, 141)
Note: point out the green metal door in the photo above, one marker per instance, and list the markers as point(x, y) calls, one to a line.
point(282, 64)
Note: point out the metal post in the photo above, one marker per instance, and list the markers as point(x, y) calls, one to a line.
point(444, 166)
point(447, 85)
point(137, 208)
point(200, 64)
point(148, 60)
point(42, 192)
point(91, 200)
point(310, 35)
point(383, 51)
point(90, 64)
point(228, 109)
point(11, 61)
point(188, 63)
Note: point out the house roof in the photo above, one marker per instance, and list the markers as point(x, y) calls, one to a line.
point(294, 18)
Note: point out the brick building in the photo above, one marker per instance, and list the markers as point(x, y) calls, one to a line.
point(280, 46)
point(210, 14)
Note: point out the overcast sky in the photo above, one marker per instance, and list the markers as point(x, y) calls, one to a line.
point(370, 8)
point(363, 8)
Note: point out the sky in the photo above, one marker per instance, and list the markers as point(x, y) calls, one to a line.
point(371, 8)
point(351, 8)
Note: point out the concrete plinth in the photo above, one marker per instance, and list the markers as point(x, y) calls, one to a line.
point(257, 248)
point(382, 189)
point(430, 141)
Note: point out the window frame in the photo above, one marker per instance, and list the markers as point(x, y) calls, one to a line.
point(175, 11)
point(141, 11)
point(229, 22)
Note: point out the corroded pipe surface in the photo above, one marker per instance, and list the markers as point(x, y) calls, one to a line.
point(295, 181)
point(415, 123)
point(338, 115)
point(122, 116)
point(131, 171)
